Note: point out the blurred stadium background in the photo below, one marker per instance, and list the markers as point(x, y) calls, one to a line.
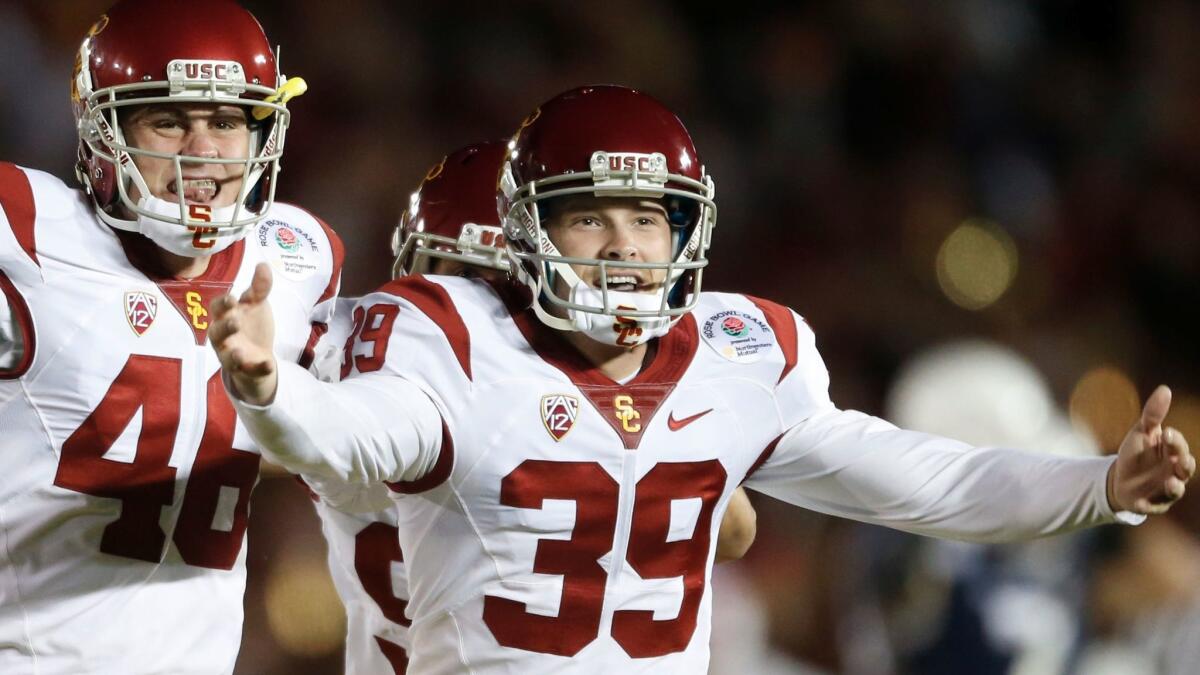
point(905, 175)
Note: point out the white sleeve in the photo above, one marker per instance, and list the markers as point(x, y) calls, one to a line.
point(368, 429)
point(849, 464)
point(327, 355)
point(11, 347)
point(350, 497)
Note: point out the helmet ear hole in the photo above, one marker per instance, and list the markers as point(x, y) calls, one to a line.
point(101, 180)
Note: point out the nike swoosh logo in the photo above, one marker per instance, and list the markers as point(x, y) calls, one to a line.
point(675, 425)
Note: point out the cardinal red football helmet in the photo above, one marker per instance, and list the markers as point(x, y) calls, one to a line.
point(176, 51)
point(606, 141)
point(452, 215)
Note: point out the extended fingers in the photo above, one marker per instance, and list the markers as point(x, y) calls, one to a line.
point(1175, 448)
point(221, 328)
point(1174, 488)
point(222, 306)
point(1156, 408)
point(260, 285)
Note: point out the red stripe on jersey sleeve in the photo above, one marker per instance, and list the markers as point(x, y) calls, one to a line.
point(16, 198)
point(435, 302)
point(437, 475)
point(310, 348)
point(763, 457)
point(337, 250)
point(780, 319)
point(20, 312)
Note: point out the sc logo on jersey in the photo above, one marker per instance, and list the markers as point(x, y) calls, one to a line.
point(558, 414)
point(195, 309)
point(629, 416)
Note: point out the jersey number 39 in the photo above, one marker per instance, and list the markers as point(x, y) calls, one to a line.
point(651, 553)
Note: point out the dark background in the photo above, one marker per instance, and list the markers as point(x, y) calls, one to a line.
point(1050, 151)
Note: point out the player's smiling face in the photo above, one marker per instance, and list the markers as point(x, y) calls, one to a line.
point(197, 130)
point(620, 229)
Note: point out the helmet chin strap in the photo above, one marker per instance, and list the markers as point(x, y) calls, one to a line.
point(606, 325)
point(189, 242)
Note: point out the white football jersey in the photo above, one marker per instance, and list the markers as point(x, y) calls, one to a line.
point(367, 566)
point(365, 560)
point(127, 479)
point(556, 521)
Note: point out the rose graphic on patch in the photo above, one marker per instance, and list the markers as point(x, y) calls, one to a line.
point(286, 238)
point(738, 336)
point(733, 326)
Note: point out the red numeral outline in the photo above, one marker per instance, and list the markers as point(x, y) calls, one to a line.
point(374, 326)
point(652, 557)
point(577, 559)
point(218, 464)
point(376, 547)
point(147, 484)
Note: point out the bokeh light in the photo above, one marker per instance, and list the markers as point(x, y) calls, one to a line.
point(976, 264)
point(1106, 401)
point(303, 610)
point(1185, 416)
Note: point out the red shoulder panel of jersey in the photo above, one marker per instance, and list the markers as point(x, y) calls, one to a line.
point(16, 198)
point(435, 302)
point(763, 457)
point(780, 319)
point(437, 475)
point(24, 323)
point(337, 249)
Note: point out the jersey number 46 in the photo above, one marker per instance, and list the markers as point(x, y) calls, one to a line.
point(146, 485)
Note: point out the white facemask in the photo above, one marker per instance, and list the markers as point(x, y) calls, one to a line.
point(619, 331)
point(190, 241)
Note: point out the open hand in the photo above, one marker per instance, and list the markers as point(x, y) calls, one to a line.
point(1153, 464)
point(243, 335)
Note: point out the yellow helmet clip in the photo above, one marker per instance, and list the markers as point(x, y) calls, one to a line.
point(294, 87)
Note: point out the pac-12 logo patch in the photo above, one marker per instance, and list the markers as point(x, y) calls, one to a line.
point(140, 309)
point(558, 414)
point(738, 336)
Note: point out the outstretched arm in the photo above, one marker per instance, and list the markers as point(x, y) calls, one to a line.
point(849, 464)
point(375, 427)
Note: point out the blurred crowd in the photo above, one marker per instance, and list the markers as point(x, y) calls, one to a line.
point(907, 176)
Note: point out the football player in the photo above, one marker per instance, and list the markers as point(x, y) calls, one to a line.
point(127, 478)
point(450, 228)
point(566, 447)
